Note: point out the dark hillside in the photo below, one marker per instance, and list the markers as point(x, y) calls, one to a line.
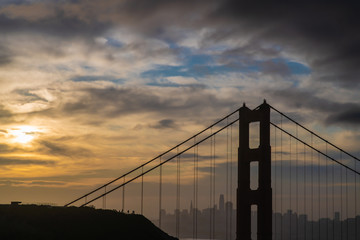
point(46, 222)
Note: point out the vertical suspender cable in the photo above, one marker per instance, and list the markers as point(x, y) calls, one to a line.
point(214, 188)
point(231, 170)
point(275, 190)
point(356, 218)
point(104, 199)
point(123, 196)
point(333, 198)
point(347, 204)
point(197, 190)
point(192, 211)
point(305, 175)
point(160, 191)
point(179, 197)
point(142, 190)
point(210, 190)
point(297, 187)
point(319, 193)
point(341, 198)
point(326, 193)
point(281, 181)
point(312, 190)
point(177, 194)
point(290, 160)
point(227, 182)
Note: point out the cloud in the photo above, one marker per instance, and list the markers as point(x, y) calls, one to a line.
point(323, 34)
point(120, 101)
point(5, 161)
point(55, 148)
point(350, 115)
point(345, 113)
point(6, 116)
point(165, 123)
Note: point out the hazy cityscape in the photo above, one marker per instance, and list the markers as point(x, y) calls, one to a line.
point(289, 225)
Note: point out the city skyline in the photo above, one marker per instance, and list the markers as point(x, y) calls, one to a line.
point(288, 225)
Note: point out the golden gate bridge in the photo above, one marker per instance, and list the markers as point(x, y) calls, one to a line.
point(274, 177)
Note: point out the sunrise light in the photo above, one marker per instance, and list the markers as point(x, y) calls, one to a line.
point(23, 134)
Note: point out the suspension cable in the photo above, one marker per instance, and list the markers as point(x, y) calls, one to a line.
point(331, 158)
point(153, 159)
point(169, 159)
point(292, 120)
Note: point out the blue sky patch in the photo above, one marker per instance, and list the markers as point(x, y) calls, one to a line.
point(114, 43)
point(298, 68)
point(92, 78)
point(201, 65)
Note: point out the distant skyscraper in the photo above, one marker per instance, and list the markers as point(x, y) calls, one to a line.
point(221, 203)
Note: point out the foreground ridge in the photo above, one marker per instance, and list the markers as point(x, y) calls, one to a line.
point(48, 222)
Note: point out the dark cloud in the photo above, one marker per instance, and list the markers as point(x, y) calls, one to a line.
point(4, 161)
point(115, 102)
point(346, 116)
point(46, 183)
point(331, 112)
point(59, 24)
point(6, 116)
point(5, 56)
point(12, 182)
point(325, 33)
point(165, 123)
point(7, 148)
point(62, 149)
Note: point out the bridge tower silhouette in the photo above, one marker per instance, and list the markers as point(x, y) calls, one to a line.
point(261, 197)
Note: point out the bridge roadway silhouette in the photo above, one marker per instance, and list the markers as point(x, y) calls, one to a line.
point(291, 183)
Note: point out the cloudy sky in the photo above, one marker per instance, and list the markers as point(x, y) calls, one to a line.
point(89, 89)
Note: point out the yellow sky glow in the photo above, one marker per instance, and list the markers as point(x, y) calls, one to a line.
point(23, 134)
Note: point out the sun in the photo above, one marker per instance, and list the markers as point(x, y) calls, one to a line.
point(23, 134)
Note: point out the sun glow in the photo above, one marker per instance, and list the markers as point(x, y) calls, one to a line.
point(23, 134)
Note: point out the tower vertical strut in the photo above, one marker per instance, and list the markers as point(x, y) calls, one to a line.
point(262, 197)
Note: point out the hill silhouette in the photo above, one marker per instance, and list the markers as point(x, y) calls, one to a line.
point(48, 222)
